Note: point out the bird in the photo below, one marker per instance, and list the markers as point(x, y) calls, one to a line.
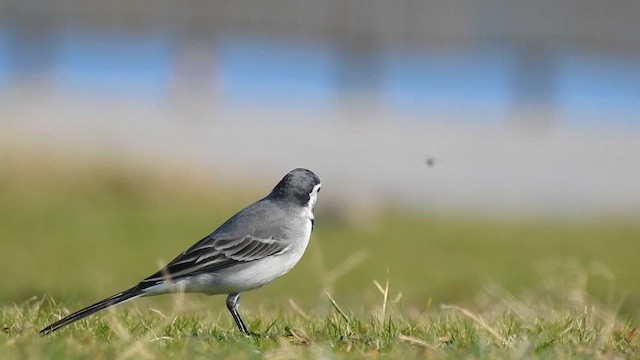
point(257, 245)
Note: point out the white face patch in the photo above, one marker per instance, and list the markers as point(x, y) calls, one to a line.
point(313, 197)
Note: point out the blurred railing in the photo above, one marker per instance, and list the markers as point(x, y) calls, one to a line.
point(592, 24)
point(538, 41)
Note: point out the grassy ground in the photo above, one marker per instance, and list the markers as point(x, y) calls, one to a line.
point(75, 231)
point(545, 330)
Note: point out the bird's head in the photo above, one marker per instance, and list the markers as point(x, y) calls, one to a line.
point(299, 185)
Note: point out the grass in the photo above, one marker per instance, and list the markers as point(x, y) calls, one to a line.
point(511, 330)
point(394, 284)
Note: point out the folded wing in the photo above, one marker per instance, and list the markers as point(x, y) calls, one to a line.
point(211, 254)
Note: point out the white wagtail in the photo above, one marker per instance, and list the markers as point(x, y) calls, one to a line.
point(254, 247)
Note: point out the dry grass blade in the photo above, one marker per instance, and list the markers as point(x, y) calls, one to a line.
point(478, 320)
point(385, 295)
point(168, 338)
point(297, 309)
point(301, 336)
point(415, 341)
point(338, 309)
point(347, 265)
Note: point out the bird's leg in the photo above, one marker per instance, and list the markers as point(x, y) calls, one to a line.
point(233, 302)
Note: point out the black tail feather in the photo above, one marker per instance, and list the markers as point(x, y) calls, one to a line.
point(116, 299)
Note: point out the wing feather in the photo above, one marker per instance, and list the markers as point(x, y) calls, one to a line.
point(214, 254)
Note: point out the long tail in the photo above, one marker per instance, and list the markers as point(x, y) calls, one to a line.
point(116, 299)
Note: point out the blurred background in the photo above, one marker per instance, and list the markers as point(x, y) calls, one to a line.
point(460, 143)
